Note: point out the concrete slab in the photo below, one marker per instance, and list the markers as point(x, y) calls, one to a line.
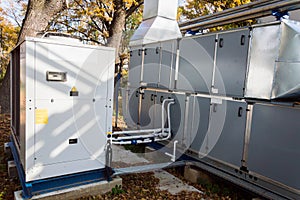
point(12, 169)
point(7, 150)
point(172, 184)
point(195, 175)
point(122, 155)
point(76, 192)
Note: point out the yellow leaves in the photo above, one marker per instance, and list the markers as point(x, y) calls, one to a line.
point(222, 5)
point(105, 34)
point(129, 3)
point(197, 8)
point(237, 3)
point(9, 36)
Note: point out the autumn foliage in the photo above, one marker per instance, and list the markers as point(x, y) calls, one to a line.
point(8, 39)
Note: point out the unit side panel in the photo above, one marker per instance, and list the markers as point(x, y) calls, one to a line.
point(83, 68)
point(134, 75)
point(160, 96)
point(132, 111)
point(29, 101)
point(274, 144)
point(227, 130)
point(151, 65)
point(15, 93)
point(196, 64)
point(231, 63)
point(199, 117)
point(73, 88)
point(148, 107)
point(177, 112)
point(168, 63)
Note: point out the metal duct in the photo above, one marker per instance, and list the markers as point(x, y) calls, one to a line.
point(253, 10)
point(274, 64)
point(159, 23)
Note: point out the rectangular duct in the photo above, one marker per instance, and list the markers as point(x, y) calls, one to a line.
point(159, 23)
point(274, 64)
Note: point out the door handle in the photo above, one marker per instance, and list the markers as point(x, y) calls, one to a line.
point(243, 40)
point(240, 112)
point(161, 99)
point(221, 42)
point(137, 93)
point(215, 107)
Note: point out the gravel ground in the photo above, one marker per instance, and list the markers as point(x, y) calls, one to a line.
point(135, 186)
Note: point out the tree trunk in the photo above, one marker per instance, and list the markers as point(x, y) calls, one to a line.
point(117, 26)
point(38, 15)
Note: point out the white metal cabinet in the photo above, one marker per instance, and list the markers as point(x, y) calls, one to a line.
point(63, 134)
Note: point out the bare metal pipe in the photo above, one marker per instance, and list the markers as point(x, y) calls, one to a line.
point(245, 12)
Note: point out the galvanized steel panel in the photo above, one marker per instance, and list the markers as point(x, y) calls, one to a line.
point(159, 23)
point(287, 70)
point(263, 54)
point(164, 8)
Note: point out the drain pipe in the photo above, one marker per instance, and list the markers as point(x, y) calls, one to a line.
point(173, 156)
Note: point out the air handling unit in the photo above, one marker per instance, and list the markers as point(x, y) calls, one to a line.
point(236, 92)
point(62, 94)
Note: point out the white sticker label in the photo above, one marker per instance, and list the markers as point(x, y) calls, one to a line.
point(214, 90)
point(216, 101)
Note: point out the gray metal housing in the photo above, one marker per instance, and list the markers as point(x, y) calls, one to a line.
point(224, 85)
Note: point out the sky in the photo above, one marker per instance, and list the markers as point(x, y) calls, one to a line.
point(181, 2)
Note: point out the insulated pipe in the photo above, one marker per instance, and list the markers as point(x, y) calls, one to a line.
point(169, 120)
point(163, 113)
point(241, 13)
point(154, 133)
point(137, 131)
point(138, 139)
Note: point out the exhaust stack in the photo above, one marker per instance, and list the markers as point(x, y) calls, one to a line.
point(159, 23)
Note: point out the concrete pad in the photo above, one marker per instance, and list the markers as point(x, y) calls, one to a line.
point(7, 149)
point(172, 184)
point(194, 175)
point(76, 192)
point(155, 156)
point(12, 169)
point(122, 155)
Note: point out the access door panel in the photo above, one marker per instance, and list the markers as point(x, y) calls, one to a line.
point(231, 63)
